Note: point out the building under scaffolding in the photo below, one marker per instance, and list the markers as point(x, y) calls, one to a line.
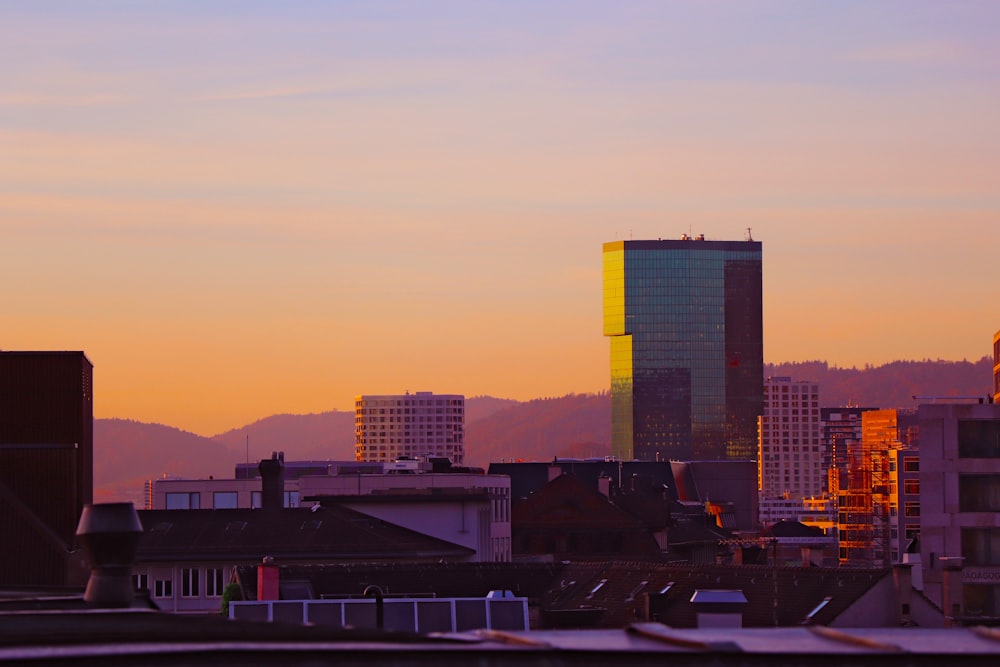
point(863, 502)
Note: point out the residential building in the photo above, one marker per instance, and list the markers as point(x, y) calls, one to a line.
point(960, 507)
point(186, 557)
point(407, 492)
point(791, 458)
point(389, 427)
point(904, 502)
point(46, 465)
point(864, 503)
point(686, 333)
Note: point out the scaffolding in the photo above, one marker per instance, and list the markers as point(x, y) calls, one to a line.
point(863, 502)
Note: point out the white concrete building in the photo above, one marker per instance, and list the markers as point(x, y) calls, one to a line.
point(790, 460)
point(421, 507)
point(959, 509)
point(388, 427)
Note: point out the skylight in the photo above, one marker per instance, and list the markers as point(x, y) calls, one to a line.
point(635, 591)
point(597, 588)
point(817, 609)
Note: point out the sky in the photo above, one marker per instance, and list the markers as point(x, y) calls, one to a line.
point(238, 209)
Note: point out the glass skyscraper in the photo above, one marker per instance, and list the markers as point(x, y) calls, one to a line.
point(687, 353)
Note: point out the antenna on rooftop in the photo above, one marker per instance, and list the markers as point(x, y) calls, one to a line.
point(749, 235)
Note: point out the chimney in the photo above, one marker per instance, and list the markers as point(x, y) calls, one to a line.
point(109, 535)
point(719, 608)
point(902, 580)
point(951, 590)
point(272, 483)
point(268, 580)
point(917, 573)
point(807, 556)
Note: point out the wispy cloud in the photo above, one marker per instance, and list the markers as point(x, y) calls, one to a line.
point(82, 100)
point(917, 53)
point(268, 93)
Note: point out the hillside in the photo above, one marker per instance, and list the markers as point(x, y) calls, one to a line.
point(127, 453)
point(891, 385)
point(312, 437)
point(576, 425)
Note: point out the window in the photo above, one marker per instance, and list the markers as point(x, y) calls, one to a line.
point(911, 464)
point(140, 583)
point(979, 438)
point(224, 500)
point(183, 501)
point(911, 508)
point(163, 588)
point(189, 582)
point(979, 493)
point(911, 487)
point(214, 582)
point(981, 546)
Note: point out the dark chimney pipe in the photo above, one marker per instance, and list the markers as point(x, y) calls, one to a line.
point(272, 484)
point(109, 535)
point(374, 591)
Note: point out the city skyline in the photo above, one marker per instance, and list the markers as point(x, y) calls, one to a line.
point(243, 209)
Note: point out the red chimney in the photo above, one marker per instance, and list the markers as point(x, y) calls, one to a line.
point(268, 579)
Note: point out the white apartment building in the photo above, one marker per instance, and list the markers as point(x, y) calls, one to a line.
point(388, 427)
point(431, 503)
point(959, 507)
point(790, 459)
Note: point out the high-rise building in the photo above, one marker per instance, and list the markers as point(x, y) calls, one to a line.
point(409, 425)
point(791, 462)
point(46, 463)
point(684, 318)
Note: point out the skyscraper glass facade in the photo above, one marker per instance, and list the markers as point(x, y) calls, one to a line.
point(686, 329)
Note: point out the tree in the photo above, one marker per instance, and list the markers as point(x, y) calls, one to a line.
point(231, 593)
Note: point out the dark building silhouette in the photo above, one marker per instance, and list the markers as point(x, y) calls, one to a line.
point(686, 328)
point(46, 464)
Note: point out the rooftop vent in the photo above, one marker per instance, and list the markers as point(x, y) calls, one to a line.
point(109, 535)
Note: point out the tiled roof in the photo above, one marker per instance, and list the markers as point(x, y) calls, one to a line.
point(566, 501)
point(331, 533)
point(775, 596)
point(568, 519)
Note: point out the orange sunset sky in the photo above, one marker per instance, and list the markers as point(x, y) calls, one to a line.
point(244, 208)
